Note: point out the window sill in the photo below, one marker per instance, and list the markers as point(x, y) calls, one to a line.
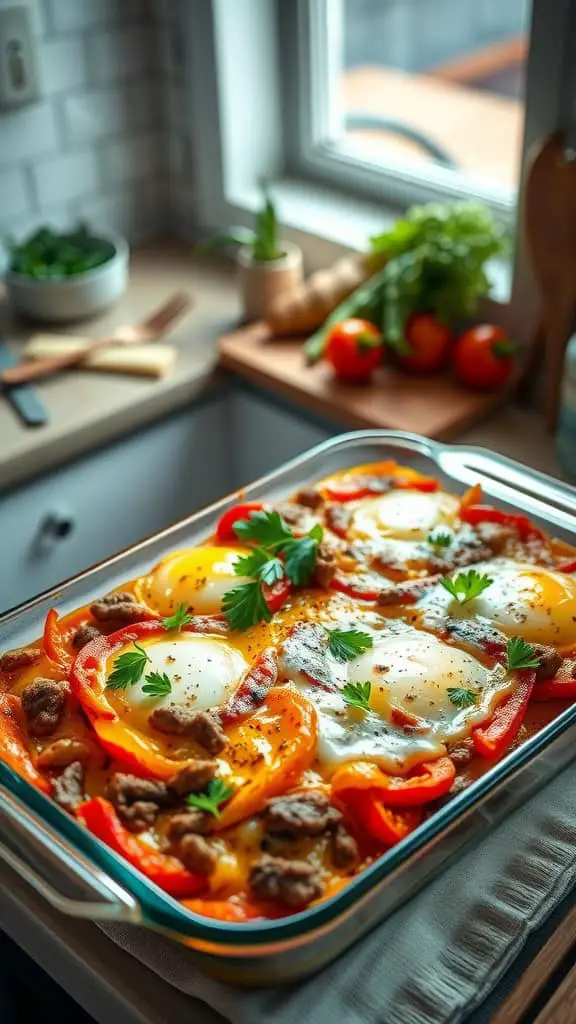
point(326, 225)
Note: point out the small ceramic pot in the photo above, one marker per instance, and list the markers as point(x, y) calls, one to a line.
point(75, 297)
point(262, 283)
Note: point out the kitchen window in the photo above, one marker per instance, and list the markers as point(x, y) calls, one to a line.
point(355, 109)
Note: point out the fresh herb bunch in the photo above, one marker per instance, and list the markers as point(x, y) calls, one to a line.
point(51, 255)
point(245, 605)
point(433, 259)
point(263, 240)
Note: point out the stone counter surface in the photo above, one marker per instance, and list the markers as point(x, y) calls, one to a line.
point(89, 409)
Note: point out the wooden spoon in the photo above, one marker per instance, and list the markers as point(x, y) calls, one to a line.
point(550, 220)
point(150, 329)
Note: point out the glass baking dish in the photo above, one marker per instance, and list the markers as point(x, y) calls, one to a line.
point(81, 876)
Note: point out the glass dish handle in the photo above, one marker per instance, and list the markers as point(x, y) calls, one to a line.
point(21, 828)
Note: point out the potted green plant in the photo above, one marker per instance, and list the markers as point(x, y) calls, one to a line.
point(267, 266)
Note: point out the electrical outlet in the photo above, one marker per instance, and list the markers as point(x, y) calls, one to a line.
point(18, 62)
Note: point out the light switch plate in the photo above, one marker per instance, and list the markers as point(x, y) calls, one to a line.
point(18, 62)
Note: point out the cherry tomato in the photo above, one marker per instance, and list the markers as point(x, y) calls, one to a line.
point(484, 357)
point(228, 520)
point(430, 342)
point(354, 348)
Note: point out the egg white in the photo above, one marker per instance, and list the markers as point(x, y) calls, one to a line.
point(524, 600)
point(203, 671)
point(406, 515)
point(412, 671)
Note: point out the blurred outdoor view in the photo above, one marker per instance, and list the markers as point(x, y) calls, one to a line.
point(437, 80)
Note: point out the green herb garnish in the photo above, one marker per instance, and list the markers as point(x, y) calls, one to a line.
point(466, 585)
point(245, 605)
point(440, 539)
point(157, 685)
point(346, 644)
point(261, 565)
point(300, 556)
point(217, 792)
point(267, 529)
point(462, 698)
point(128, 669)
point(178, 619)
point(520, 654)
point(357, 695)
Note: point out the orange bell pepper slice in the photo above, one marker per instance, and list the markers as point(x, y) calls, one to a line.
point(492, 740)
point(353, 486)
point(56, 637)
point(13, 749)
point(224, 910)
point(386, 824)
point(427, 782)
point(473, 496)
point(277, 744)
point(134, 750)
point(167, 872)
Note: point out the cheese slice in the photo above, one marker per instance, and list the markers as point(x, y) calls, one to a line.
point(150, 360)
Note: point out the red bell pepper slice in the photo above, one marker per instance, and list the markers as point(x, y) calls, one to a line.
point(55, 639)
point(562, 687)
point(427, 782)
point(567, 567)
point(363, 588)
point(476, 514)
point(87, 673)
point(388, 825)
point(226, 523)
point(277, 594)
point(13, 749)
point(254, 688)
point(363, 485)
point(492, 740)
point(167, 872)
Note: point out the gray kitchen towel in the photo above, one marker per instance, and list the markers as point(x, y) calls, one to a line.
point(434, 960)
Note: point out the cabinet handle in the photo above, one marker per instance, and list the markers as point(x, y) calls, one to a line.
point(56, 526)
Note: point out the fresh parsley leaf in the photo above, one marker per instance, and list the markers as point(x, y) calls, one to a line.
point(265, 528)
point(245, 605)
point(440, 539)
point(357, 695)
point(217, 792)
point(157, 685)
point(467, 585)
point(128, 669)
point(520, 654)
point(300, 556)
point(178, 619)
point(346, 644)
point(462, 698)
point(260, 564)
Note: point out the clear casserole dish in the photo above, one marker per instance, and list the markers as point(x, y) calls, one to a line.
point(81, 876)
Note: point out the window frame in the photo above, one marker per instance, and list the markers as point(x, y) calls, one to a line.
point(245, 68)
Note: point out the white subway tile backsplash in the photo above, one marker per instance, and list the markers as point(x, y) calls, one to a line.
point(62, 65)
point(142, 156)
point(75, 15)
point(91, 116)
point(66, 177)
point(108, 140)
point(14, 199)
point(27, 133)
point(125, 54)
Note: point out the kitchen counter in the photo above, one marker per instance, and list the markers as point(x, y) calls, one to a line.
point(89, 409)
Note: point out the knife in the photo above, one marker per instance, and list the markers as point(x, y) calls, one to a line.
point(22, 397)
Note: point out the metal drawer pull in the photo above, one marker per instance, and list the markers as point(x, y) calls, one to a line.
point(110, 901)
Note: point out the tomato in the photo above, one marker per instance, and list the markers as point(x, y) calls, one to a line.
point(228, 520)
point(484, 357)
point(430, 342)
point(354, 348)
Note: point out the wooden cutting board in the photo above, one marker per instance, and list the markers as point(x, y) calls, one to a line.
point(437, 407)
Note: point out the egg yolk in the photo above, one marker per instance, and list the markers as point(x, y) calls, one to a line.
point(197, 578)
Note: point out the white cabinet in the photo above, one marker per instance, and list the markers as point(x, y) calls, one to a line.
point(80, 514)
point(263, 435)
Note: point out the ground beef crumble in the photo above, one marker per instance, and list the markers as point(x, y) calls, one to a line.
point(201, 726)
point(43, 704)
point(292, 882)
point(68, 788)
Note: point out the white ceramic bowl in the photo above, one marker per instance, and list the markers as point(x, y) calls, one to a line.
point(76, 297)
